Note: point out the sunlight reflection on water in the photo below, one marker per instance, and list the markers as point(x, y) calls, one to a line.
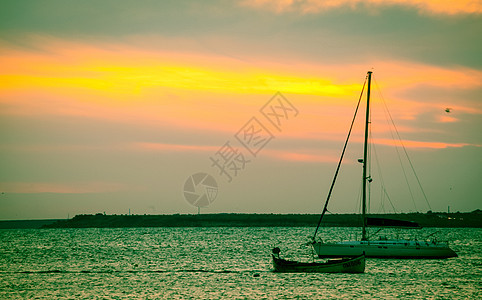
point(216, 263)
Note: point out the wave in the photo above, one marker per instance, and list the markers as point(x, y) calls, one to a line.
point(133, 271)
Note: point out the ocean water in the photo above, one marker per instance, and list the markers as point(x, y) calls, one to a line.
point(218, 263)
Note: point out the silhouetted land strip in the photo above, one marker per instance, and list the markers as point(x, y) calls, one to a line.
point(26, 224)
point(473, 219)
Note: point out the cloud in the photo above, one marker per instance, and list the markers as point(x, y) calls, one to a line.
point(305, 155)
point(447, 119)
point(213, 93)
point(61, 188)
point(118, 72)
point(301, 156)
point(443, 7)
point(121, 72)
point(422, 144)
point(174, 147)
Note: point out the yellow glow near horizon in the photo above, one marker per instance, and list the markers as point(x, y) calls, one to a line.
point(121, 75)
point(201, 91)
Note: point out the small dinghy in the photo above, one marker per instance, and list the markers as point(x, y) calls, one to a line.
point(341, 265)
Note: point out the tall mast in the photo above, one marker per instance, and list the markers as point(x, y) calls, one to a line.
point(365, 165)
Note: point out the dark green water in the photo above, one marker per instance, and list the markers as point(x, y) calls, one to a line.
point(217, 263)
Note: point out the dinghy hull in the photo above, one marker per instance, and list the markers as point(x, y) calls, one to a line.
point(345, 265)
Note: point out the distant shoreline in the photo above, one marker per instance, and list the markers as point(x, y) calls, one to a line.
point(444, 220)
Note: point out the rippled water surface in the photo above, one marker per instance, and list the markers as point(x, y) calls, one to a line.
point(217, 263)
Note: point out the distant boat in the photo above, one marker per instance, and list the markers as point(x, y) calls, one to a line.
point(341, 265)
point(381, 247)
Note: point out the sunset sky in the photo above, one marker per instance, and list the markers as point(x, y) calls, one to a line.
point(107, 106)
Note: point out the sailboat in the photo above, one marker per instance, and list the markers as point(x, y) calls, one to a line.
point(382, 247)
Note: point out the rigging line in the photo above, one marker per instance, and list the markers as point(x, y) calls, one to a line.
point(381, 208)
point(389, 200)
point(404, 149)
point(369, 160)
point(372, 145)
point(382, 182)
point(387, 112)
point(325, 208)
point(359, 197)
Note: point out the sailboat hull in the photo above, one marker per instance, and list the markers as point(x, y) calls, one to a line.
point(384, 249)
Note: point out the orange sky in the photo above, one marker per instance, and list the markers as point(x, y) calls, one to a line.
point(95, 81)
point(426, 6)
point(128, 102)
